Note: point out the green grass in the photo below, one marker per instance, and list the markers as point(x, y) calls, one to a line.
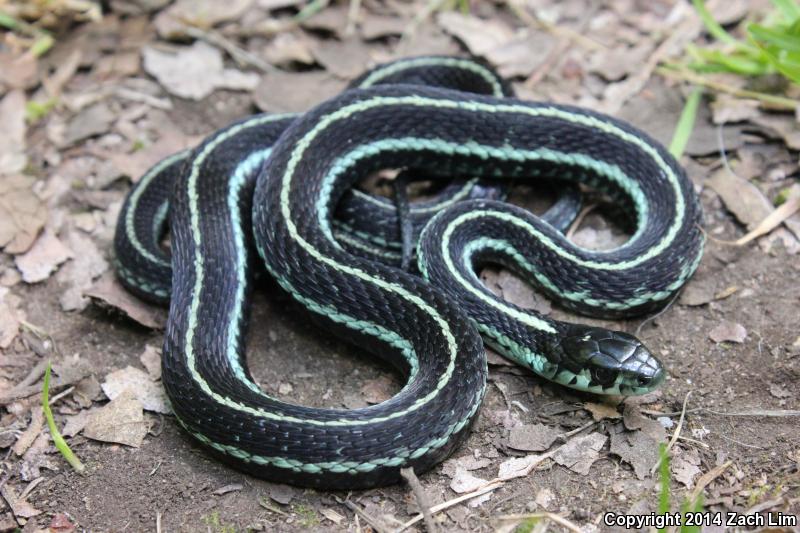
point(665, 496)
point(772, 46)
point(685, 125)
point(58, 440)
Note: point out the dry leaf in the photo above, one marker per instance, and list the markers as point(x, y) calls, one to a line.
point(151, 359)
point(464, 482)
point(633, 419)
point(93, 120)
point(378, 26)
point(532, 438)
point(282, 494)
point(378, 390)
point(121, 421)
point(44, 257)
point(685, 465)
point(171, 22)
point(130, 379)
point(331, 515)
point(581, 452)
point(19, 506)
point(79, 274)
point(10, 317)
point(727, 108)
point(601, 411)
point(288, 47)
point(29, 435)
point(280, 92)
point(22, 214)
point(332, 19)
point(635, 448)
point(480, 36)
point(194, 72)
point(740, 197)
point(12, 124)
point(18, 71)
point(727, 331)
point(699, 291)
point(108, 291)
point(345, 59)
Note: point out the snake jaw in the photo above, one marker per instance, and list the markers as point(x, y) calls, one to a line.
point(610, 362)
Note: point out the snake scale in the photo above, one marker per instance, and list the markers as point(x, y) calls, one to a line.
point(277, 191)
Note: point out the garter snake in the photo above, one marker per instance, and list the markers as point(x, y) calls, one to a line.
point(289, 174)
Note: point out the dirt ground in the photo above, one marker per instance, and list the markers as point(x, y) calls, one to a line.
point(730, 342)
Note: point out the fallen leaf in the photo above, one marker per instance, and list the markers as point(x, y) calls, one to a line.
point(331, 515)
point(780, 126)
point(12, 124)
point(61, 523)
point(89, 122)
point(378, 26)
point(685, 465)
point(18, 71)
point(87, 390)
point(727, 108)
point(151, 359)
point(635, 448)
point(533, 437)
point(467, 462)
point(480, 36)
point(747, 203)
point(19, 506)
point(120, 421)
point(633, 419)
point(517, 466)
point(281, 92)
point(76, 423)
point(289, 47)
point(108, 291)
point(464, 482)
point(27, 437)
point(615, 63)
point(581, 452)
point(10, 317)
point(332, 19)
point(171, 22)
point(514, 58)
point(344, 59)
point(194, 72)
point(601, 411)
point(79, 274)
point(43, 258)
point(149, 393)
point(727, 331)
point(22, 214)
point(544, 498)
point(233, 487)
point(282, 494)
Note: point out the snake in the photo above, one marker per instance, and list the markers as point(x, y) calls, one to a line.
point(268, 191)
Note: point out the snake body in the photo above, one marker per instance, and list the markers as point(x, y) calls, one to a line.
point(291, 172)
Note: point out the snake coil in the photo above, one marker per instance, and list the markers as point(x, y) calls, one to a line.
point(285, 183)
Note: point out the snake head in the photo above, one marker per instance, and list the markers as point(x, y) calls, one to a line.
point(607, 362)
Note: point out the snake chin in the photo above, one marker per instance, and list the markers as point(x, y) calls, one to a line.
point(608, 362)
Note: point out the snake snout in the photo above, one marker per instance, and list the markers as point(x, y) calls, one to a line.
point(616, 362)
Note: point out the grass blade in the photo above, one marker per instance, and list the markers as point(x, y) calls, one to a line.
point(685, 124)
point(663, 474)
point(790, 10)
point(713, 26)
point(782, 40)
point(58, 440)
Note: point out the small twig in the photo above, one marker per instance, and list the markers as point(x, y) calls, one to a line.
point(579, 220)
point(707, 478)
point(489, 487)
point(558, 519)
point(693, 441)
point(158, 522)
point(421, 496)
point(565, 436)
point(61, 394)
point(675, 435)
point(238, 54)
point(369, 519)
point(352, 17)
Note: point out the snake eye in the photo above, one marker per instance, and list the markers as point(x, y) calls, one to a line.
point(603, 376)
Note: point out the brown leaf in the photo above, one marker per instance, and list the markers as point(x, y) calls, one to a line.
point(107, 290)
point(79, 274)
point(121, 421)
point(685, 465)
point(12, 124)
point(44, 257)
point(727, 331)
point(10, 317)
point(129, 379)
point(480, 36)
point(151, 359)
point(635, 448)
point(581, 452)
point(172, 21)
point(19, 506)
point(289, 47)
point(22, 214)
point(332, 19)
point(727, 108)
point(18, 71)
point(514, 58)
point(633, 419)
point(280, 91)
point(378, 390)
point(532, 438)
point(780, 126)
point(89, 122)
point(194, 72)
point(601, 411)
point(29, 435)
point(742, 198)
point(344, 59)
point(378, 26)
